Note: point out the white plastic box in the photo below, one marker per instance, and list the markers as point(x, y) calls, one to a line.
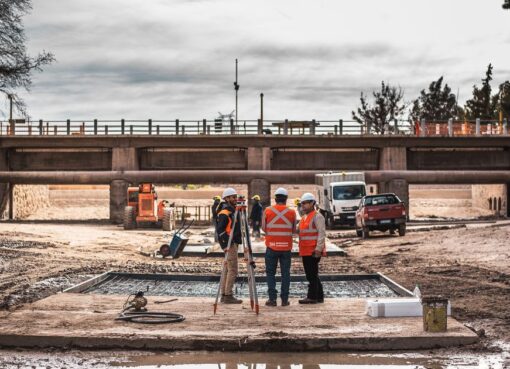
point(396, 307)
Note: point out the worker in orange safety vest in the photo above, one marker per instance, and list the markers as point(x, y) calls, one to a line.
point(312, 246)
point(279, 224)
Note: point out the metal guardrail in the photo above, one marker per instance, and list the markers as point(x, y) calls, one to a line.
point(178, 127)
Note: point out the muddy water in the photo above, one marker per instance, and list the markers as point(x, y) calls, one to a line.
point(439, 359)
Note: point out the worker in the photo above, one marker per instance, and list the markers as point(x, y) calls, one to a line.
point(215, 208)
point(279, 224)
point(256, 216)
point(297, 203)
point(224, 229)
point(312, 246)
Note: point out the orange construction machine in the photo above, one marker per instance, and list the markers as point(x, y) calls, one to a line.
point(144, 209)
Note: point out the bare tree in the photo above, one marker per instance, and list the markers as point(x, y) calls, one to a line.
point(380, 115)
point(16, 66)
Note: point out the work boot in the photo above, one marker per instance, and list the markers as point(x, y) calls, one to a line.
point(229, 299)
point(271, 302)
point(285, 303)
point(307, 301)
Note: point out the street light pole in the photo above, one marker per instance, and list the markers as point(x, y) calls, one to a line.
point(236, 88)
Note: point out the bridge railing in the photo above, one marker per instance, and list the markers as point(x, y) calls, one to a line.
point(312, 127)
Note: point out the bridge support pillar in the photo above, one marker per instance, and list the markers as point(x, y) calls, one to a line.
point(118, 200)
point(259, 158)
point(262, 188)
point(395, 158)
point(123, 158)
point(4, 187)
point(399, 187)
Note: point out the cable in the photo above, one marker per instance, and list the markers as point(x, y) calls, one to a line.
point(145, 317)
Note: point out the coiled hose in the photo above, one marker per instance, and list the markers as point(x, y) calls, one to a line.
point(146, 317)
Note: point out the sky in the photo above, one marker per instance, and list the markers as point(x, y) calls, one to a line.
point(171, 59)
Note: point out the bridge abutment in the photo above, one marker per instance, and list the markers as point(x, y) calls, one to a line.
point(123, 158)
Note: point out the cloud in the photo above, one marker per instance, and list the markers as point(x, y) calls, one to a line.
point(176, 59)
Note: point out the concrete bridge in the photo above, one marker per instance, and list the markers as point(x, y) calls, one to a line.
point(257, 160)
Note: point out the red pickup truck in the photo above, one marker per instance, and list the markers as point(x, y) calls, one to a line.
point(380, 212)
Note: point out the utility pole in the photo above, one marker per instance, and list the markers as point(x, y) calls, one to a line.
point(236, 88)
point(262, 109)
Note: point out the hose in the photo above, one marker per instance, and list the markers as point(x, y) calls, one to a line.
point(145, 317)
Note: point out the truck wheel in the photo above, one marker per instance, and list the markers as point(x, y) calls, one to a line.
point(402, 230)
point(167, 219)
point(365, 232)
point(129, 217)
point(359, 232)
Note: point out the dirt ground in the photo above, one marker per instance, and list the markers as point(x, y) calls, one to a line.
point(469, 264)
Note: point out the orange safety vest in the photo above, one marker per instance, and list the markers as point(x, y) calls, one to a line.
point(279, 226)
point(228, 229)
point(308, 235)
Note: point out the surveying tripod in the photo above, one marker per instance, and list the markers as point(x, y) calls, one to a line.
point(240, 213)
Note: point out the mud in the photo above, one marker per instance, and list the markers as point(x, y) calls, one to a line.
point(439, 359)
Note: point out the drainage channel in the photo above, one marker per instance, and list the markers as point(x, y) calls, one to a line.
point(335, 286)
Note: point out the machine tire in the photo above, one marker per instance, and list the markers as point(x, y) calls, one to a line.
point(359, 232)
point(129, 217)
point(402, 230)
point(167, 220)
point(365, 232)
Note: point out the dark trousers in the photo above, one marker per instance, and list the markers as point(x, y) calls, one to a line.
point(256, 228)
point(311, 266)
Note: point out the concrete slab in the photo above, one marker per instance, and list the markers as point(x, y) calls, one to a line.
point(214, 250)
point(87, 321)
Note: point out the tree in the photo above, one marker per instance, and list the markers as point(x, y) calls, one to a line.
point(387, 107)
point(436, 104)
point(483, 104)
point(503, 99)
point(16, 66)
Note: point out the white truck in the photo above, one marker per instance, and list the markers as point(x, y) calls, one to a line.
point(338, 196)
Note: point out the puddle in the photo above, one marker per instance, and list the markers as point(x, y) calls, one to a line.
point(440, 359)
point(319, 360)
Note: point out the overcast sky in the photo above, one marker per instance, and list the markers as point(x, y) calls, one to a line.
point(169, 59)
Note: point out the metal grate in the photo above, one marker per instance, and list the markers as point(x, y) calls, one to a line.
point(344, 286)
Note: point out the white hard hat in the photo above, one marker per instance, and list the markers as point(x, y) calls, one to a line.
point(307, 197)
point(281, 191)
point(229, 191)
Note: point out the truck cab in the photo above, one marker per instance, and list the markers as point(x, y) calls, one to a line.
point(339, 195)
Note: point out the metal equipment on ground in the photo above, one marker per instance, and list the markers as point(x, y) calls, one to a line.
point(240, 213)
point(178, 242)
point(134, 310)
point(143, 209)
